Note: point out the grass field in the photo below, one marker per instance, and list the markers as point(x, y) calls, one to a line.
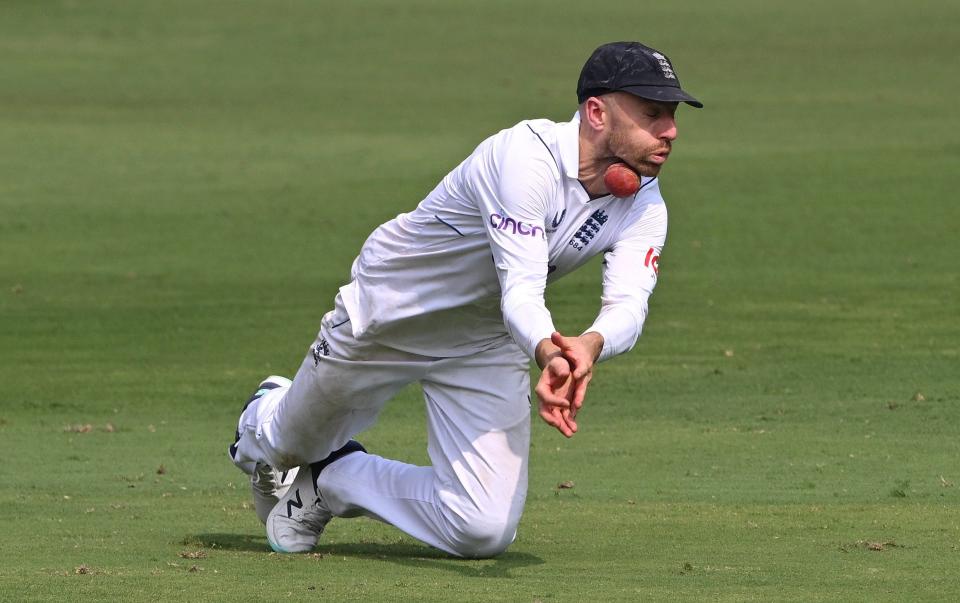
point(183, 186)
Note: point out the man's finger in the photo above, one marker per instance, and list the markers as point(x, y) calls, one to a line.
point(581, 368)
point(580, 391)
point(572, 350)
point(567, 417)
point(553, 418)
point(547, 416)
point(559, 340)
point(566, 344)
point(558, 369)
point(579, 360)
point(546, 395)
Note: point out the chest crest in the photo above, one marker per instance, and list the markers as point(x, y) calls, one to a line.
point(588, 230)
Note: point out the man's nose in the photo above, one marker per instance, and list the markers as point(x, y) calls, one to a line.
point(669, 131)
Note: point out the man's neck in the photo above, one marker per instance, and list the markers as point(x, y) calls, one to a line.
point(591, 166)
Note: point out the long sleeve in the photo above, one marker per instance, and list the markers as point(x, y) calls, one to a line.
point(630, 272)
point(513, 207)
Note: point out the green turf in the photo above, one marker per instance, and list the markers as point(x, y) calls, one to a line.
point(184, 184)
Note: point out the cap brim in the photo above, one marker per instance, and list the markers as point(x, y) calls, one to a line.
point(667, 94)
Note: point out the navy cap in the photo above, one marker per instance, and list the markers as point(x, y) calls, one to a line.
point(634, 68)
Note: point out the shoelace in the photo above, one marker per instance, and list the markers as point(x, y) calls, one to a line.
point(264, 479)
point(316, 518)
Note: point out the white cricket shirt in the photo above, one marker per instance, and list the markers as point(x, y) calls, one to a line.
point(467, 269)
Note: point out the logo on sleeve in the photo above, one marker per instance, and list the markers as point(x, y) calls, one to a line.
point(652, 260)
point(506, 223)
point(319, 350)
point(588, 230)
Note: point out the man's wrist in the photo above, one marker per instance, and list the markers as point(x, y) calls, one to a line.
point(594, 343)
point(546, 350)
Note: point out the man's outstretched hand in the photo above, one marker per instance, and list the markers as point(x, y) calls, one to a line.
point(567, 364)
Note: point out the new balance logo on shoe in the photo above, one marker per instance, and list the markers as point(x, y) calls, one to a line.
point(291, 504)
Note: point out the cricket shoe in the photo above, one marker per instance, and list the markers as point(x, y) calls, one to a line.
point(299, 517)
point(266, 484)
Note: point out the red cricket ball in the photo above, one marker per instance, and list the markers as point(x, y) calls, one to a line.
point(621, 181)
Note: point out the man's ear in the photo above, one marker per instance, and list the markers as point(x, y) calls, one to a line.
point(595, 113)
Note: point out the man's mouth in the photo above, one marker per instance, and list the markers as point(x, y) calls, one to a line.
point(659, 157)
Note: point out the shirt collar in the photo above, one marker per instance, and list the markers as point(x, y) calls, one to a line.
point(569, 144)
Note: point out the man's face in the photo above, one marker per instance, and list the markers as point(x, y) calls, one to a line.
point(641, 131)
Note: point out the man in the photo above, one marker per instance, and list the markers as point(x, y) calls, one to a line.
point(452, 295)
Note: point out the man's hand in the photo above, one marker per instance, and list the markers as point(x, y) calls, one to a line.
point(581, 352)
point(555, 391)
point(567, 364)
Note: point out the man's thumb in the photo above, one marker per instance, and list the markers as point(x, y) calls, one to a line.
point(559, 367)
point(559, 340)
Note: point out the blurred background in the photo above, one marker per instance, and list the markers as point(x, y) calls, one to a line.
point(183, 187)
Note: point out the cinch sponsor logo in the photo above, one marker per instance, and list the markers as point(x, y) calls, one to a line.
point(521, 228)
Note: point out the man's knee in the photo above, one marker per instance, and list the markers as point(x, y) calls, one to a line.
point(483, 535)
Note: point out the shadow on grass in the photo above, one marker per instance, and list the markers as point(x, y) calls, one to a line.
point(421, 556)
point(228, 542)
point(405, 554)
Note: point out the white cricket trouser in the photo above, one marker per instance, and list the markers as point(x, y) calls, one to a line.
point(469, 501)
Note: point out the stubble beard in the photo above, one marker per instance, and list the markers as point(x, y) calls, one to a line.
point(639, 162)
point(647, 168)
